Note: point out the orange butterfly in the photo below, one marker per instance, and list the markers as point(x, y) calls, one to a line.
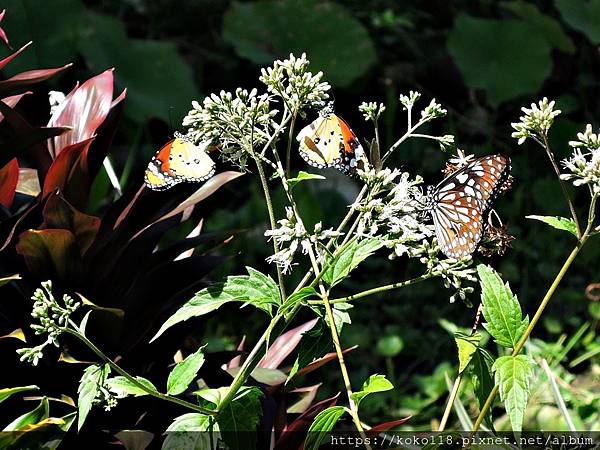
point(177, 161)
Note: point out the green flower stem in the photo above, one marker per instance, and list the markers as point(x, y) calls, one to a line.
point(75, 331)
point(288, 153)
point(403, 138)
point(546, 145)
point(542, 306)
point(385, 288)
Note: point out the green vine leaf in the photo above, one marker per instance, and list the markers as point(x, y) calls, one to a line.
point(323, 424)
point(254, 289)
point(40, 413)
point(349, 259)
point(481, 377)
point(467, 346)
point(93, 377)
point(303, 176)
point(122, 387)
point(184, 372)
point(501, 308)
point(191, 431)
point(512, 375)
point(238, 421)
point(560, 223)
point(375, 383)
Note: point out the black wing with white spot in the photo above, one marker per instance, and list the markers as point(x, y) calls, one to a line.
point(460, 202)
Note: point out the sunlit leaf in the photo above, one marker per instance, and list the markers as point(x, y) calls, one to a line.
point(560, 223)
point(375, 383)
point(123, 387)
point(93, 377)
point(6, 280)
point(191, 432)
point(323, 424)
point(512, 374)
point(303, 176)
point(467, 346)
point(32, 417)
point(7, 392)
point(16, 334)
point(184, 372)
point(349, 259)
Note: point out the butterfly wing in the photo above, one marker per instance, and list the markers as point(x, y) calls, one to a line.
point(462, 199)
point(321, 142)
point(353, 153)
point(177, 161)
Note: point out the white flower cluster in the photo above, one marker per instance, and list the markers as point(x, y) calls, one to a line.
point(584, 166)
point(536, 121)
point(291, 235)
point(371, 110)
point(408, 101)
point(237, 122)
point(294, 84)
point(433, 111)
point(53, 320)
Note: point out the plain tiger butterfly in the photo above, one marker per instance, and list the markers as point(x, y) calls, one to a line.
point(460, 203)
point(329, 142)
point(177, 161)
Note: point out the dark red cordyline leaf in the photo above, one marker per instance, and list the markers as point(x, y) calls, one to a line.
point(12, 101)
point(321, 361)
point(26, 137)
point(293, 436)
point(28, 218)
point(29, 77)
point(387, 425)
point(9, 177)
point(83, 110)
point(59, 213)
point(49, 253)
point(69, 174)
point(9, 58)
point(2, 32)
point(284, 345)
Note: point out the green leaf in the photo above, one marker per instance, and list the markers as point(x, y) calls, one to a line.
point(238, 420)
point(253, 289)
point(93, 377)
point(560, 223)
point(375, 383)
point(184, 372)
point(326, 31)
point(122, 387)
point(349, 259)
point(302, 176)
point(467, 345)
point(323, 424)
point(389, 346)
point(481, 377)
point(302, 294)
point(512, 375)
point(340, 315)
point(191, 432)
point(7, 392)
point(506, 58)
point(159, 82)
point(37, 415)
point(501, 308)
point(546, 26)
point(582, 15)
point(6, 280)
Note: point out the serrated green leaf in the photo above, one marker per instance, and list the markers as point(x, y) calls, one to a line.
point(7, 392)
point(582, 16)
point(267, 30)
point(122, 387)
point(323, 424)
point(302, 294)
point(40, 413)
point(467, 345)
point(349, 259)
point(191, 431)
point(501, 309)
point(375, 383)
point(184, 372)
point(93, 377)
point(512, 375)
point(303, 176)
point(481, 377)
point(546, 26)
point(238, 421)
point(560, 223)
point(254, 289)
point(507, 58)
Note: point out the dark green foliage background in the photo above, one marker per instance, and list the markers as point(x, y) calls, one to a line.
point(482, 60)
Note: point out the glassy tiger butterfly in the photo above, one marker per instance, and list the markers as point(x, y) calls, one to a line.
point(177, 161)
point(461, 202)
point(329, 142)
